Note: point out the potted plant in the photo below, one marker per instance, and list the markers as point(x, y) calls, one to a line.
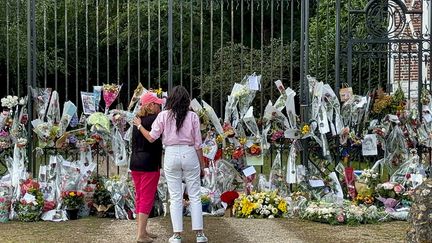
point(205, 201)
point(29, 207)
point(228, 198)
point(72, 200)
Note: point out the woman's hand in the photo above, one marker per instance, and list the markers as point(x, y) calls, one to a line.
point(137, 121)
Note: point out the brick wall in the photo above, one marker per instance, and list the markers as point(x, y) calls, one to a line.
point(405, 58)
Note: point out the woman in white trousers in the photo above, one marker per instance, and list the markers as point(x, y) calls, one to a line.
point(181, 135)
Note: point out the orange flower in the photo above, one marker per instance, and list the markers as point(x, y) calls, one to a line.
point(255, 149)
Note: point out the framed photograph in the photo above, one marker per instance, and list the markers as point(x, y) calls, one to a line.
point(88, 102)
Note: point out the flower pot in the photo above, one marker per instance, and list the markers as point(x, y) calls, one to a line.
point(228, 212)
point(72, 214)
point(205, 207)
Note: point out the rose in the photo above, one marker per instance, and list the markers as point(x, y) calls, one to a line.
point(238, 153)
point(388, 185)
point(398, 188)
point(255, 149)
point(229, 197)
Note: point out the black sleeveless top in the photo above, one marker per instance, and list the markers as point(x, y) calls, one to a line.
point(145, 156)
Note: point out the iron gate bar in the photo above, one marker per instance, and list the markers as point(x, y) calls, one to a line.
point(201, 47)
point(291, 45)
point(282, 44)
point(221, 47)
point(118, 49)
point(7, 45)
point(337, 48)
point(97, 42)
point(18, 47)
point(107, 44)
point(159, 43)
point(139, 40)
point(66, 49)
point(232, 40)
point(181, 43)
point(241, 38)
point(271, 50)
point(170, 45)
point(211, 54)
point(191, 50)
point(128, 45)
point(76, 54)
point(148, 45)
point(87, 46)
point(262, 58)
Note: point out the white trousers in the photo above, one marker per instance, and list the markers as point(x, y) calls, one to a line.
point(181, 161)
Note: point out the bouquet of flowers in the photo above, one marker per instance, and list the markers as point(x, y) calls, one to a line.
point(72, 199)
point(110, 93)
point(29, 207)
point(260, 205)
point(390, 190)
point(366, 183)
point(229, 197)
point(5, 140)
point(102, 199)
point(5, 202)
point(346, 213)
point(324, 212)
point(277, 176)
point(41, 97)
point(120, 196)
point(9, 101)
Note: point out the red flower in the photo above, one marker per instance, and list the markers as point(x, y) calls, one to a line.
point(48, 205)
point(229, 197)
point(218, 155)
point(29, 184)
point(238, 153)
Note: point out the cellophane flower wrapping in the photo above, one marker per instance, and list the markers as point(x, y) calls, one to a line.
point(395, 148)
point(41, 97)
point(110, 93)
point(263, 184)
point(70, 175)
point(48, 186)
point(245, 96)
point(138, 92)
point(233, 100)
point(278, 120)
point(5, 201)
point(17, 170)
point(53, 113)
point(69, 111)
point(46, 132)
point(119, 148)
point(277, 176)
point(213, 117)
point(332, 107)
point(291, 173)
point(162, 192)
point(410, 174)
point(120, 194)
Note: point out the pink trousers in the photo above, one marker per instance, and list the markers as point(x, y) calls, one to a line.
point(145, 189)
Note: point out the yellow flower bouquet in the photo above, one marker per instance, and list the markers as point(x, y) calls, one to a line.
point(260, 205)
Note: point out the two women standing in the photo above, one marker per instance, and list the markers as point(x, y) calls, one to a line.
point(180, 131)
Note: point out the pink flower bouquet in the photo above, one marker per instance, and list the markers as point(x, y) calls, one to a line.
point(110, 93)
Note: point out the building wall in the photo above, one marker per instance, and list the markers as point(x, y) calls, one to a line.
point(404, 59)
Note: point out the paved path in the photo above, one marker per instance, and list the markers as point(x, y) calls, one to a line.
point(218, 229)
